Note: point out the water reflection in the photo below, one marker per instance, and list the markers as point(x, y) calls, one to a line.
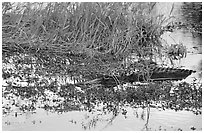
point(133, 119)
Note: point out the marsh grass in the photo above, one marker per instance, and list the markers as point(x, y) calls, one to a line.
point(98, 35)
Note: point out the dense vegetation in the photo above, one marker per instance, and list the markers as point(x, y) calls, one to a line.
point(44, 44)
point(192, 14)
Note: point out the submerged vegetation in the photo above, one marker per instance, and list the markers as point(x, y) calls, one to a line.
point(49, 48)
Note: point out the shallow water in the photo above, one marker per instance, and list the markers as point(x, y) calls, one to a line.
point(72, 121)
